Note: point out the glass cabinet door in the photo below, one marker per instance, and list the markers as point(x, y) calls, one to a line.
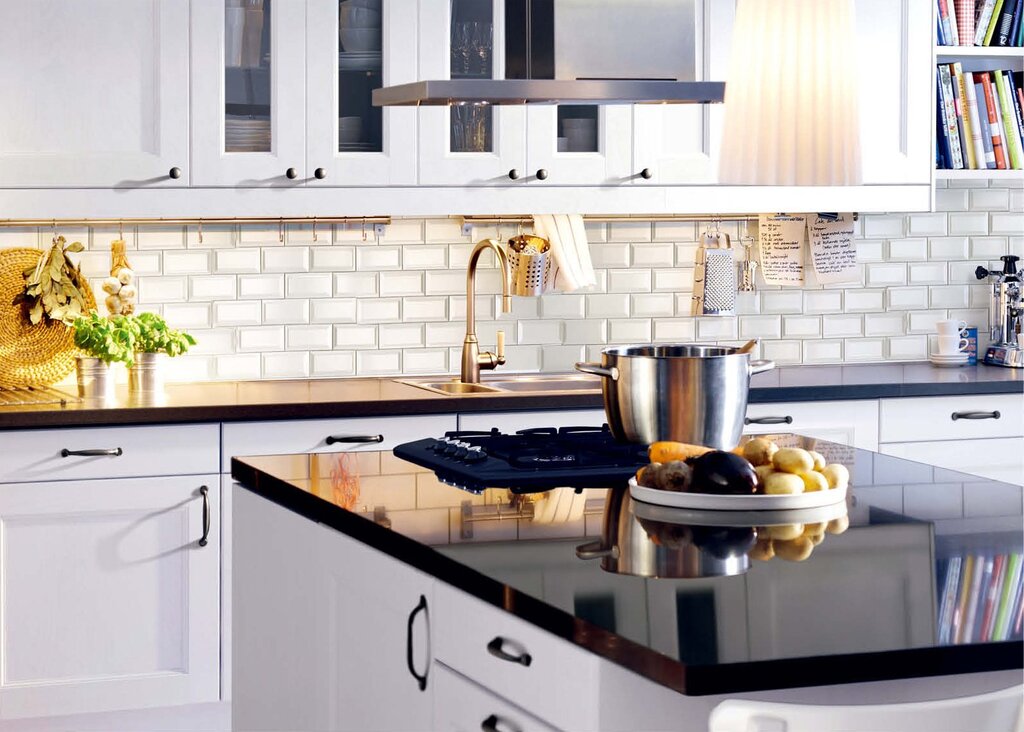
point(468, 144)
point(355, 47)
point(580, 144)
point(248, 77)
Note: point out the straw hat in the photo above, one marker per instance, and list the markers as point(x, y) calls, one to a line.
point(32, 355)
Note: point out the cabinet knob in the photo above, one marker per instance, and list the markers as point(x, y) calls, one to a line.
point(319, 173)
point(646, 174)
point(513, 174)
point(291, 174)
point(174, 173)
point(542, 174)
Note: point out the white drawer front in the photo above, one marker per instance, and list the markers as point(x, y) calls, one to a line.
point(129, 452)
point(466, 626)
point(999, 458)
point(847, 422)
point(462, 706)
point(328, 435)
point(917, 419)
point(513, 421)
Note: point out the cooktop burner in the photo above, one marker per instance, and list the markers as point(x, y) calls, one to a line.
point(536, 459)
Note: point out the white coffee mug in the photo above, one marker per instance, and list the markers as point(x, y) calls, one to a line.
point(950, 344)
point(950, 327)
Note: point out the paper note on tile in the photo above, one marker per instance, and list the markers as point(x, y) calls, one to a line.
point(833, 252)
point(781, 244)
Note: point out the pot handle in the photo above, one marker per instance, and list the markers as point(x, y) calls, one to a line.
point(593, 550)
point(598, 370)
point(758, 366)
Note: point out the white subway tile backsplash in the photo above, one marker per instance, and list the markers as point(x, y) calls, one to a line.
point(677, 330)
point(373, 258)
point(291, 259)
point(261, 338)
point(879, 226)
point(952, 247)
point(935, 224)
point(188, 316)
point(539, 332)
point(400, 335)
point(924, 321)
point(761, 326)
point(425, 361)
point(162, 289)
point(908, 348)
point(1010, 224)
point(450, 282)
point(968, 223)
point(615, 254)
point(255, 287)
point(379, 311)
point(886, 274)
point(798, 326)
point(186, 262)
point(145, 263)
point(314, 284)
point(355, 336)
point(635, 330)
point(398, 231)
point(445, 334)
point(608, 306)
point(333, 363)
point(675, 231)
point(908, 298)
point(823, 301)
point(237, 260)
point(213, 287)
point(781, 352)
point(378, 363)
point(953, 296)
point(782, 301)
point(585, 332)
point(864, 349)
point(653, 255)
point(242, 312)
point(882, 324)
point(928, 273)
point(443, 230)
point(355, 284)
point(563, 306)
point(630, 231)
point(238, 367)
point(213, 237)
point(716, 328)
point(823, 351)
point(654, 305)
point(285, 312)
point(562, 358)
point(335, 310)
point(258, 235)
point(673, 280)
point(862, 301)
point(285, 365)
point(214, 342)
point(908, 249)
point(333, 259)
point(421, 256)
point(629, 280)
point(416, 309)
point(400, 283)
point(989, 199)
point(988, 247)
point(951, 199)
point(833, 326)
point(870, 250)
point(171, 237)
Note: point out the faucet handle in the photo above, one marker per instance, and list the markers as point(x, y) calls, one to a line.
point(500, 347)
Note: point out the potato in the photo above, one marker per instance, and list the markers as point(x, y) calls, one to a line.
point(675, 476)
point(763, 471)
point(666, 452)
point(793, 460)
point(819, 460)
point(837, 475)
point(815, 538)
point(759, 451)
point(784, 532)
point(796, 550)
point(838, 525)
point(762, 550)
point(780, 484)
point(648, 476)
point(814, 481)
point(815, 528)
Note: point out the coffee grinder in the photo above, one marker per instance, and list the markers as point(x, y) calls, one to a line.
point(1004, 314)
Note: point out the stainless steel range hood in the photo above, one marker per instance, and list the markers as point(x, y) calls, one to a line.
point(443, 92)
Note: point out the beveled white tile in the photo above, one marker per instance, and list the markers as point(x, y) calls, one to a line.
point(262, 338)
point(540, 332)
point(653, 255)
point(988, 247)
point(445, 334)
point(1011, 224)
point(260, 286)
point(908, 298)
point(930, 224)
point(883, 226)
point(379, 311)
point(608, 306)
point(335, 310)
point(447, 282)
point(928, 273)
point(908, 249)
point(333, 259)
point(673, 280)
point(842, 325)
point(675, 231)
point(864, 349)
point(561, 358)
point(675, 330)
point(187, 315)
point(237, 260)
point(424, 308)
point(781, 352)
point(242, 312)
point(402, 230)
point(313, 284)
point(823, 301)
point(629, 280)
point(952, 296)
point(334, 363)
point(882, 324)
point(186, 262)
point(213, 342)
point(951, 199)
point(654, 305)
point(238, 367)
point(630, 231)
point(400, 283)
point(609, 255)
point(400, 335)
point(285, 312)
point(823, 351)
point(760, 326)
point(285, 365)
point(163, 289)
point(291, 259)
point(563, 306)
point(425, 361)
point(972, 223)
point(355, 284)
point(886, 274)
point(355, 336)
point(375, 258)
point(423, 256)
point(716, 328)
point(858, 301)
point(908, 348)
point(801, 327)
point(636, 330)
point(782, 301)
point(218, 236)
point(951, 247)
point(585, 332)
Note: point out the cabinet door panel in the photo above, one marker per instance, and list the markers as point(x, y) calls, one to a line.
point(462, 706)
point(354, 143)
point(606, 162)
point(94, 93)
point(846, 422)
point(108, 601)
point(998, 459)
point(248, 94)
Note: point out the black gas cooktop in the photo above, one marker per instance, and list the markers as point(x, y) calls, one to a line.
point(530, 460)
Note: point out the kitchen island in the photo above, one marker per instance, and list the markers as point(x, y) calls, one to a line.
point(372, 596)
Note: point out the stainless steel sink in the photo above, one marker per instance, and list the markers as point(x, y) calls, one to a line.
point(526, 384)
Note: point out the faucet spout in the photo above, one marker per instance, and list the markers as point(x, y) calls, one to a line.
point(472, 359)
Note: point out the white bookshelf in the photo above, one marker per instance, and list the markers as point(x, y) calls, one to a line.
point(979, 174)
point(944, 54)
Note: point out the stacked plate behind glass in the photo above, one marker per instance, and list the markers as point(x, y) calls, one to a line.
point(246, 134)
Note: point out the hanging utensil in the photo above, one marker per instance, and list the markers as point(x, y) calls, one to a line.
point(714, 278)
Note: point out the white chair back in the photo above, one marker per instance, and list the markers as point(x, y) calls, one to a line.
point(998, 711)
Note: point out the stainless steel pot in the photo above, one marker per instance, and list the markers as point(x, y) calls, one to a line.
point(689, 393)
point(681, 552)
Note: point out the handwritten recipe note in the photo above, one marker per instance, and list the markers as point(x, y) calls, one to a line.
point(833, 252)
point(781, 243)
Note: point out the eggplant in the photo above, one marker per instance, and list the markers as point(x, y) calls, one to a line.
point(722, 473)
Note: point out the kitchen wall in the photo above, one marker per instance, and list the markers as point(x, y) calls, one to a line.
point(341, 306)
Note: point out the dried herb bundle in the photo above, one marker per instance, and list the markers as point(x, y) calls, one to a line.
point(52, 287)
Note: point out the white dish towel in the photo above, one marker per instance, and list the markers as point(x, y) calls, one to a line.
point(572, 268)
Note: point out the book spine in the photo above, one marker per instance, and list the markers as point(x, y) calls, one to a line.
point(981, 565)
point(964, 117)
point(959, 109)
point(1002, 34)
point(986, 132)
point(983, 21)
point(949, 594)
point(1013, 90)
point(947, 32)
point(1013, 142)
point(1011, 625)
point(990, 31)
point(964, 20)
point(1013, 569)
point(992, 596)
point(955, 155)
point(994, 122)
point(1014, 39)
point(940, 38)
point(960, 612)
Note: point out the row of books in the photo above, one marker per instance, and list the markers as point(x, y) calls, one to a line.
point(980, 598)
point(980, 22)
point(979, 119)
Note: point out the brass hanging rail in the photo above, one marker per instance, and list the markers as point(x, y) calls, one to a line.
point(619, 218)
point(197, 221)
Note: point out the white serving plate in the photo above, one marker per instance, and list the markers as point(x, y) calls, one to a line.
point(715, 502)
point(697, 517)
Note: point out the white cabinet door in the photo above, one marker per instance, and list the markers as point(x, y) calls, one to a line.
point(462, 706)
point(248, 94)
point(996, 458)
point(896, 75)
point(378, 638)
point(94, 93)
point(108, 600)
point(349, 142)
point(846, 422)
point(606, 162)
point(467, 145)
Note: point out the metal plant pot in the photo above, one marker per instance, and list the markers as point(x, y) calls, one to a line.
point(689, 393)
point(146, 375)
point(95, 378)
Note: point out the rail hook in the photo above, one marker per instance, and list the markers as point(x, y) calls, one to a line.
point(200, 230)
point(364, 229)
point(280, 230)
point(314, 228)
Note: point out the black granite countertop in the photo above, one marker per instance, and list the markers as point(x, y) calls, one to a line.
point(916, 574)
point(320, 398)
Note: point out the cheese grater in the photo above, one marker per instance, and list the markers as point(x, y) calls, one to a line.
point(714, 279)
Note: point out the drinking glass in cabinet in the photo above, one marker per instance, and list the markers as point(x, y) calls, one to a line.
point(360, 67)
point(472, 50)
point(471, 127)
point(471, 57)
point(247, 75)
point(577, 128)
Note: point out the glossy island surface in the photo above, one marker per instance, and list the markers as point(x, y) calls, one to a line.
point(917, 573)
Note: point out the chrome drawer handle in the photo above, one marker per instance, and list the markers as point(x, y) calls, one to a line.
point(358, 439)
point(111, 451)
point(975, 415)
point(205, 492)
point(768, 420)
point(496, 650)
point(491, 725)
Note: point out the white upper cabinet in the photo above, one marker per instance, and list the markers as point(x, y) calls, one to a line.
point(94, 93)
point(248, 93)
point(468, 144)
point(352, 49)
